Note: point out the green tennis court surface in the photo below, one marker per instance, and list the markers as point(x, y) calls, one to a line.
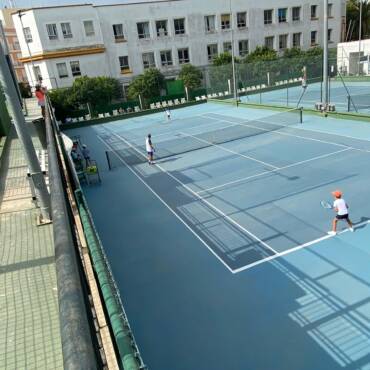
point(220, 249)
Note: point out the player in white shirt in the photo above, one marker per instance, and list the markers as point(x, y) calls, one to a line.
point(341, 208)
point(168, 114)
point(149, 148)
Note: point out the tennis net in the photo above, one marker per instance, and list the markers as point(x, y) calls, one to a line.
point(124, 151)
point(359, 101)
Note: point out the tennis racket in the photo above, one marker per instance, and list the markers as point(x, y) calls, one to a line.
point(326, 204)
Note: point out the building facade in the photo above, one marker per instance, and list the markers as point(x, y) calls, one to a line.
point(121, 41)
point(13, 43)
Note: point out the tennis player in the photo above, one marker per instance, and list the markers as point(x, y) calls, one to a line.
point(168, 114)
point(341, 208)
point(149, 148)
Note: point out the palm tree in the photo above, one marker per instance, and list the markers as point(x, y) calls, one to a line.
point(353, 19)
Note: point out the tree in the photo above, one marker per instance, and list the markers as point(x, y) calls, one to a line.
point(191, 76)
point(62, 103)
point(148, 85)
point(261, 54)
point(353, 19)
point(222, 59)
point(95, 90)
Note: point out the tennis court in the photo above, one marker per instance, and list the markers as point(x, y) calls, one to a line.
point(338, 95)
point(220, 249)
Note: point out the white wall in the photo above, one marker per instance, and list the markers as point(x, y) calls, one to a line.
point(196, 39)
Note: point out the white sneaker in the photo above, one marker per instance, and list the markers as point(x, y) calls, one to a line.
point(351, 229)
point(332, 233)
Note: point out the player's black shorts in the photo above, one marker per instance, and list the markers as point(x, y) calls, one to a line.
point(342, 217)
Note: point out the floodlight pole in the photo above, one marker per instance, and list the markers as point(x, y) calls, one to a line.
point(14, 104)
point(359, 39)
point(325, 57)
point(233, 56)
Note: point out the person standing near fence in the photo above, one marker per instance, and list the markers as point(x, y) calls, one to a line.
point(40, 95)
point(86, 154)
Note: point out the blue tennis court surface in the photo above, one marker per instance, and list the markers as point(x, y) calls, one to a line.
point(338, 95)
point(221, 253)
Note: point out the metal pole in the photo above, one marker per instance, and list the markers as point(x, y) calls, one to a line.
point(325, 55)
point(359, 39)
point(233, 55)
point(25, 138)
point(20, 15)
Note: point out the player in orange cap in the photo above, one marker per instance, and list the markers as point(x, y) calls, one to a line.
point(341, 208)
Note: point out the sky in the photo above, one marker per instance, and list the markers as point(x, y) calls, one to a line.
point(34, 3)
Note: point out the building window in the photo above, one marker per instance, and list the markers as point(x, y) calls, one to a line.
point(179, 25)
point(297, 40)
point(210, 24)
point(143, 30)
point(283, 42)
point(148, 60)
point(52, 31)
point(313, 38)
point(243, 48)
point(118, 32)
point(330, 10)
point(66, 30)
point(161, 27)
point(123, 64)
point(16, 45)
point(166, 58)
point(296, 13)
point(75, 68)
point(267, 14)
point(269, 42)
point(241, 19)
point(282, 12)
point(183, 55)
point(313, 11)
point(27, 34)
point(62, 70)
point(228, 47)
point(89, 28)
point(329, 35)
point(212, 52)
point(225, 21)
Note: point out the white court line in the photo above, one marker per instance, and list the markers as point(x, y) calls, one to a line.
point(229, 150)
point(165, 204)
point(292, 250)
point(301, 137)
point(298, 136)
point(272, 171)
point(231, 220)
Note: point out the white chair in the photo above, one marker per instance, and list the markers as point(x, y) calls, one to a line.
point(87, 117)
point(158, 105)
point(248, 89)
point(107, 114)
point(226, 93)
point(101, 115)
point(164, 104)
point(203, 97)
point(176, 101)
point(74, 120)
point(243, 89)
point(170, 103)
point(263, 86)
point(80, 119)
point(285, 82)
point(197, 98)
point(137, 109)
point(209, 96)
point(183, 100)
point(115, 112)
point(220, 94)
point(152, 106)
point(214, 95)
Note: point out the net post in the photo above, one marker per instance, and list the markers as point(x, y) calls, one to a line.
point(108, 160)
point(300, 115)
point(348, 103)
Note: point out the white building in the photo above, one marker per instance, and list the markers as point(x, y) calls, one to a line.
point(353, 57)
point(122, 40)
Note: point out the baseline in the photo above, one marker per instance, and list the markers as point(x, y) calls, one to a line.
point(295, 249)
